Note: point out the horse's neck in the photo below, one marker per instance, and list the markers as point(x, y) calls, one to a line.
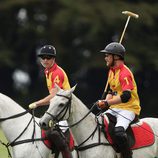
point(82, 130)
point(10, 108)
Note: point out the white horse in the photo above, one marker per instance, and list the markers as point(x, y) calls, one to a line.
point(92, 142)
point(20, 129)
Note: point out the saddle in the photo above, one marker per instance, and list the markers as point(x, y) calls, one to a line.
point(139, 133)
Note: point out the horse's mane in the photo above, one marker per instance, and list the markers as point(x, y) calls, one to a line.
point(80, 104)
point(76, 100)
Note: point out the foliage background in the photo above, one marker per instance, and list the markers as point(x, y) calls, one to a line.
point(78, 30)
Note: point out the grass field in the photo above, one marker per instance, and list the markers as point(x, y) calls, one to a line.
point(3, 150)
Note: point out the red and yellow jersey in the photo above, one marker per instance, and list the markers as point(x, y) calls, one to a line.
point(121, 79)
point(56, 75)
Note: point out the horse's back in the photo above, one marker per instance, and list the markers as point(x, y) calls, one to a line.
point(153, 122)
point(150, 120)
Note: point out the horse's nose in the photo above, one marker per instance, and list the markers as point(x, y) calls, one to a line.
point(43, 125)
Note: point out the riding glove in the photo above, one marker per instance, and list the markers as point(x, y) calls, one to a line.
point(102, 104)
point(33, 106)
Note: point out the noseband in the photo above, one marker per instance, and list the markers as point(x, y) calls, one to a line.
point(64, 110)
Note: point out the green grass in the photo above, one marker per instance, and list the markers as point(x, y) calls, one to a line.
point(3, 149)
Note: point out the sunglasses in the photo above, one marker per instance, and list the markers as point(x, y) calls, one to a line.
point(107, 55)
point(48, 57)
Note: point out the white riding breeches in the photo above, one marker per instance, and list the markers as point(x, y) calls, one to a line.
point(123, 117)
point(63, 123)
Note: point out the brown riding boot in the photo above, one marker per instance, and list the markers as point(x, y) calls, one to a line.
point(60, 141)
point(66, 153)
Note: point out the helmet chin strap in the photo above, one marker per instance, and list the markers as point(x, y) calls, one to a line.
point(113, 60)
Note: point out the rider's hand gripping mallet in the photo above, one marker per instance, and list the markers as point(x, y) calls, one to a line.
point(130, 14)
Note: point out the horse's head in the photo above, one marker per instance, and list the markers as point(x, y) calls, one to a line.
point(59, 108)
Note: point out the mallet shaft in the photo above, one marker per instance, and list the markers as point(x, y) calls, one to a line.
point(124, 29)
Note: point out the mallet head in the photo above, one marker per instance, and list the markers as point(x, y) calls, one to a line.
point(130, 14)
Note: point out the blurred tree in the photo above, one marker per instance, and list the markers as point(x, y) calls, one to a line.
point(78, 30)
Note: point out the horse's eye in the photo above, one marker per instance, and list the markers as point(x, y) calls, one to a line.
point(61, 105)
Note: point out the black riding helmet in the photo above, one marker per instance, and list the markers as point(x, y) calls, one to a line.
point(47, 50)
point(114, 48)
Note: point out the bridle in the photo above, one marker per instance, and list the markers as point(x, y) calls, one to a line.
point(15, 142)
point(64, 110)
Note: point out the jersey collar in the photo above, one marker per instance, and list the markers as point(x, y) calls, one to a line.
point(117, 67)
point(51, 69)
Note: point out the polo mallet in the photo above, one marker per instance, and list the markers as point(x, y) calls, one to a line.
point(129, 14)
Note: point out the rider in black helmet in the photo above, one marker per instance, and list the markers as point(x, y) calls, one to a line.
point(114, 48)
point(122, 98)
point(54, 75)
point(47, 50)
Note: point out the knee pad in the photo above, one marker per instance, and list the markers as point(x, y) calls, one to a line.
point(120, 135)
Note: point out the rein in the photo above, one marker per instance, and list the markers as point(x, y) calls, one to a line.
point(68, 106)
point(15, 142)
point(64, 109)
point(98, 127)
point(80, 147)
point(14, 116)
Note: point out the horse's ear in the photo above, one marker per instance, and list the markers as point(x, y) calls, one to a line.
point(73, 88)
point(57, 87)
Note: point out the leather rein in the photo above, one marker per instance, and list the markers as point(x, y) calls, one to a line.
point(15, 142)
point(67, 107)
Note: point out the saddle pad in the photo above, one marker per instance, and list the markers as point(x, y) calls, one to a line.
point(71, 142)
point(143, 134)
point(46, 141)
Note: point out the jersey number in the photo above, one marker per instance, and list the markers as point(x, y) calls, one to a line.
point(56, 80)
point(126, 80)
